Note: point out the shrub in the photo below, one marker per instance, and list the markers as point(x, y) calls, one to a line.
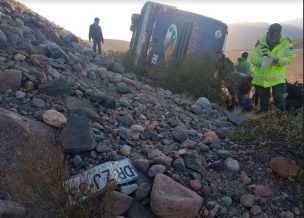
point(276, 128)
point(193, 76)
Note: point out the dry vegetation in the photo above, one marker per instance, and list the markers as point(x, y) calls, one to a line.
point(294, 70)
point(37, 182)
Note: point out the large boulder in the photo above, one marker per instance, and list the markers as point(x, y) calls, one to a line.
point(171, 199)
point(18, 133)
point(77, 135)
point(53, 51)
point(10, 79)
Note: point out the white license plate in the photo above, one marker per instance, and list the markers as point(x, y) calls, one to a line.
point(94, 180)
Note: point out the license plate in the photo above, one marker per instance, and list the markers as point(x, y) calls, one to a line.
point(94, 180)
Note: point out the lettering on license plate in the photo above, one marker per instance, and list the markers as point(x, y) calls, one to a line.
point(94, 180)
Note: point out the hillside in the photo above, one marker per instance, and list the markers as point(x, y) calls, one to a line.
point(245, 35)
point(82, 137)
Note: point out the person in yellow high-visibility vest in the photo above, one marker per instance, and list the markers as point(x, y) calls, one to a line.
point(270, 56)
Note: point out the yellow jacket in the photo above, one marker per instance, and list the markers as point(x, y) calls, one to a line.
point(273, 74)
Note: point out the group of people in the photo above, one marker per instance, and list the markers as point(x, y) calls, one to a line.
point(270, 56)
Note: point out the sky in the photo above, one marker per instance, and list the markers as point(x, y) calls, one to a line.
point(115, 15)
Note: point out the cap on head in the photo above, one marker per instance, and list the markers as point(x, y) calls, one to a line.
point(96, 19)
point(275, 28)
point(244, 54)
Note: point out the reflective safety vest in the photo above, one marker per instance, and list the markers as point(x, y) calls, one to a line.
point(273, 74)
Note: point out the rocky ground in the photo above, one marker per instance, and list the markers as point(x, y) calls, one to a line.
point(55, 91)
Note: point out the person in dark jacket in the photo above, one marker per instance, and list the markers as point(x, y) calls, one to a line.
point(95, 33)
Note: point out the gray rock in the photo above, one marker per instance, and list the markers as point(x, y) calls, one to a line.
point(128, 189)
point(20, 94)
point(56, 87)
point(156, 169)
point(204, 103)
point(203, 147)
point(38, 102)
point(227, 200)
point(235, 118)
point(123, 88)
point(54, 73)
point(124, 102)
point(165, 142)
point(232, 164)
point(217, 165)
point(173, 122)
point(246, 215)
point(124, 133)
point(53, 51)
point(77, 135)
point(223, 153)
point(194, 162)
point(77, 161)
point(114, 77)
point(81, 107)
point(126, 121)
point(179, 134)
point(3, 37)
point(137, 210)
point(137, 128)
point(92, 75)
point(196, 109)
point(142, 191)
point(179, 165)
point(102, 148)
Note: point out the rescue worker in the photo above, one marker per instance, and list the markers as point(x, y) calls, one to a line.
point(238, 86)
point(95, 33)
point(270, 56)
point(243, 66)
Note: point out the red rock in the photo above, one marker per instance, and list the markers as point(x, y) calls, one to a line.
point(142, 165)
point(10, 79)
point(129, 81)
point(136, 136)
point(42, 78)
point(263, 191)
point(245, 178)
point(247, 200)
point(287, 214)
point(120, 203)
point(163, 160)
point(195, 184)
point(283, 167)
point(102, 73)
point(170, 199)
point(189, 144)
point(208, 140)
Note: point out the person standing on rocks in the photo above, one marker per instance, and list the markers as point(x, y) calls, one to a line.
point(95, 33)
point(270, 57)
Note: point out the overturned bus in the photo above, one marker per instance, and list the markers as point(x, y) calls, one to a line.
point(163, 32)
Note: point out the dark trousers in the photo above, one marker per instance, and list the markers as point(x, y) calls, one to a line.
point(98, 44)
point(277, 94)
